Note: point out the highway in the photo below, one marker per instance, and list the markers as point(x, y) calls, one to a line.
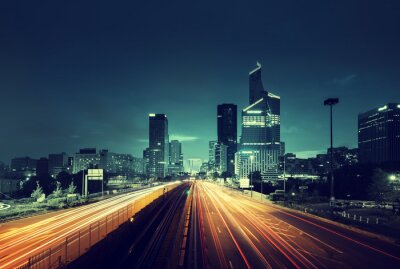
point(230, 230)
point(158, 243)
point(24, 238)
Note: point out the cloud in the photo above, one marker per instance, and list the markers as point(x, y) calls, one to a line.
point(183, 138)
point(308, 153)
point(345, 80)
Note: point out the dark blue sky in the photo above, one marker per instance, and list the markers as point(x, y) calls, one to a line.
point(87, 73)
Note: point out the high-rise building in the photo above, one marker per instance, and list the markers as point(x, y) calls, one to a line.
point(42, 167)
point(116, 163)
point(58, 162)
point(379, 134)
point(138, 166)
point(146, 160)
point(86, 158)
point(221, 157)
point(260, 131)
point(192, 166)
point(158, 145)
point(256, 88)
point(227, 133)
point(211, 154)
point(175, 158)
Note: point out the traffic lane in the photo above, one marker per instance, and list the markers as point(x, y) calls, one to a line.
point(18, 244)
point(256, 246)
point(313, 249)
point(294, 246)
point(193, 251)
point(20, 226)
point(220, 249)
point(20, 251)
point(259, 247)
point(56, 223)
point(157, 252)
point(357, 250)
point(340, 245)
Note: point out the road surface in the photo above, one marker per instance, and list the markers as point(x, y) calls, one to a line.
point(234, 231)
point(24, 238)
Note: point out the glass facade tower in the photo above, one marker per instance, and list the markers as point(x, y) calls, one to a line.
point(379, 134)
point(260, 139)
point(158, 152)
point(227, 133)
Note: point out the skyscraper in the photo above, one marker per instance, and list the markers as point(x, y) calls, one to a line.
point(221, 158)
point(227, 133)
point(256, 88)
point(175, 158)
point(379, 134)
point(211, 153)
point(158, 145)
point(260, 139)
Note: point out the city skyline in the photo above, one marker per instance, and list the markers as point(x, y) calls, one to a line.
point(101, 98)
point(199, 134)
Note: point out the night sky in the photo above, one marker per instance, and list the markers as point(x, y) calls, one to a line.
point(87, 73)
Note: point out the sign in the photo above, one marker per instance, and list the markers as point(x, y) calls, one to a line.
point(95, 174)
point(244, 183)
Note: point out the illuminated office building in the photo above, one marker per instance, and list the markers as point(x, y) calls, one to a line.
point(227, 134)
point(260, 139)
point(158, 152)
point(379, 134)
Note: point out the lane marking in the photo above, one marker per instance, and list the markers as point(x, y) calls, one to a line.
point(342, 235)
point(230, 264)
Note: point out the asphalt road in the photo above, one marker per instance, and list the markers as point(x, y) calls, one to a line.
point(158, 244)
point(230, 230)
point(24, 238)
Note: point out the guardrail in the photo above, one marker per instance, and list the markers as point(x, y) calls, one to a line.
point(79, 242)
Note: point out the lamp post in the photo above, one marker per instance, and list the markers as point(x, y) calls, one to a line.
point(284, 175)
point(331, 102)
point(251, 176)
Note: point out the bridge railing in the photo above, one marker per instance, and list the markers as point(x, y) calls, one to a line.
point(80, 242)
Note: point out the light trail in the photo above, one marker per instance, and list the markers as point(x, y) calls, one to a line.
point(343, 236)
point(260, 232)
point(216, 241)
point(38, 234)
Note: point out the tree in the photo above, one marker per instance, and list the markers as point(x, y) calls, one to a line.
point(215, 175)
point(255, 177)
point(57, 191)
point(38, 192)
point(225, 175)
point(64, 178)
point(71, 188)
point(379, 190)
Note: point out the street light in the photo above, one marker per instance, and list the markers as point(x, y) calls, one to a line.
point(392, 177)
point(251, 175)
point(331, 102)
point(284, 175)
